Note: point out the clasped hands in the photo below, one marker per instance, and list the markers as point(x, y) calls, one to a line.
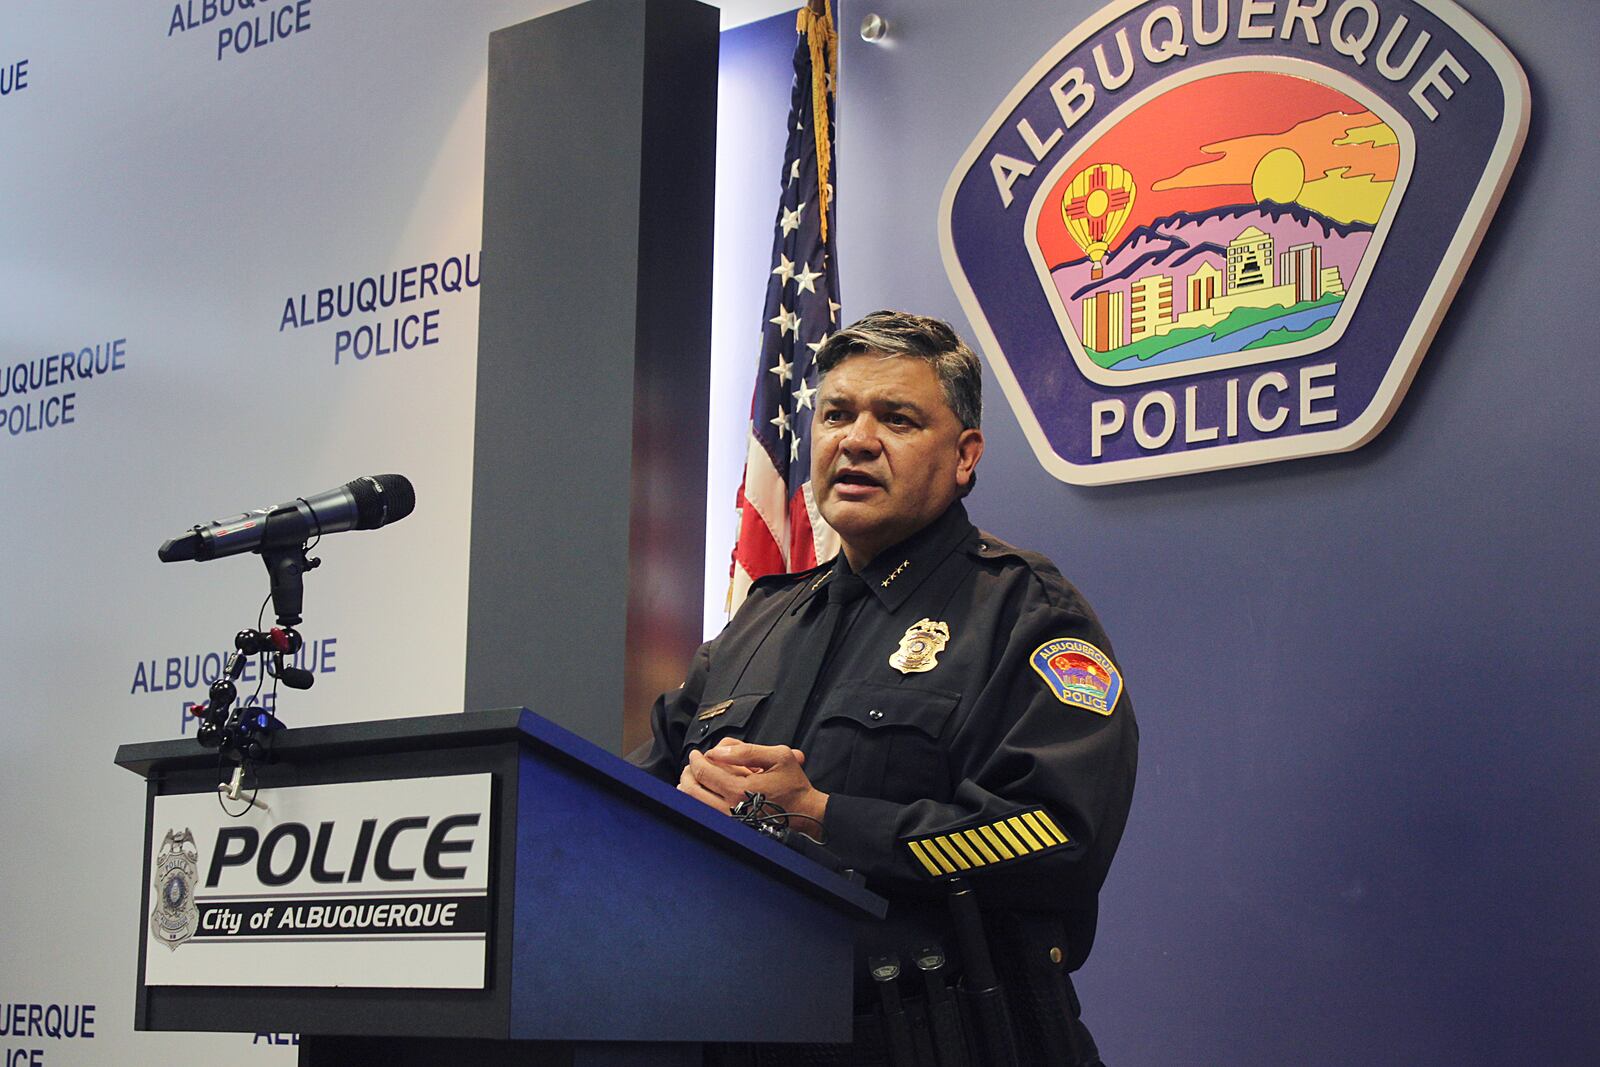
point(721, 776)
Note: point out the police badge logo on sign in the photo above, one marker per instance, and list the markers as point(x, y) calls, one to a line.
point(175, 917)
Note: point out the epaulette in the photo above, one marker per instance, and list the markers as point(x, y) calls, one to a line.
point(988, 546)
point(1060, 591)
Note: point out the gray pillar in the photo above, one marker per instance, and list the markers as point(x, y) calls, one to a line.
point(588, 490)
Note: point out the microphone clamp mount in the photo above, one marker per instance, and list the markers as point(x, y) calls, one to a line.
point(243, 733)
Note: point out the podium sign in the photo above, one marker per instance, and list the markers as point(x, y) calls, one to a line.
point(380, 884)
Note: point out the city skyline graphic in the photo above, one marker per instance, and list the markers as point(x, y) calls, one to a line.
point(1227, 214)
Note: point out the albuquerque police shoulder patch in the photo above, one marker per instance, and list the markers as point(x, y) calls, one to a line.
point(1079, 674)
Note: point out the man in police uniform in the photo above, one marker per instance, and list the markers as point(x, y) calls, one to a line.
point(939, 703)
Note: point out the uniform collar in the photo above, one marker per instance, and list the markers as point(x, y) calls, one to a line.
point(896, 572)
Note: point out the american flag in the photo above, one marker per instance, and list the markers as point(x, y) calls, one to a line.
point(779, 526)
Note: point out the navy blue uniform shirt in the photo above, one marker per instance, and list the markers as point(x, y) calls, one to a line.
point(970, 719)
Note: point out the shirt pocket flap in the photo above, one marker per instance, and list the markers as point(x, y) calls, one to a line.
point(878, 707)
point(717, 718)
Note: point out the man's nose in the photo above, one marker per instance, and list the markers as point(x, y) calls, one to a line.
point(862, 437)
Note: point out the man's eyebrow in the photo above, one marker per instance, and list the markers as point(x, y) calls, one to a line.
point(888, 404)
point(901, 405)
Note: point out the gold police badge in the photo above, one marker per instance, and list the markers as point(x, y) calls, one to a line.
point(920, 647)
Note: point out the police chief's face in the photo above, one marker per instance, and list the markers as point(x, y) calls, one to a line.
point(888, 456)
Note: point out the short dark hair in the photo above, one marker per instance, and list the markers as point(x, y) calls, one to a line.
point(900, 333)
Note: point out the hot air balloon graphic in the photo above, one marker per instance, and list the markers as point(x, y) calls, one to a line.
point(1095, 206)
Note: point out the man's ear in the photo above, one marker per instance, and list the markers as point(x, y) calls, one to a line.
point(969, 449)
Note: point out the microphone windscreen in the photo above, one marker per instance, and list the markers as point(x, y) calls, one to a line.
point(382, 499)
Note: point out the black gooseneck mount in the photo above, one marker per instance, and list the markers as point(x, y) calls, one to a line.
point(242, 733)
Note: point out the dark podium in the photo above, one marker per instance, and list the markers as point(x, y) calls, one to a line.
point(628, 924)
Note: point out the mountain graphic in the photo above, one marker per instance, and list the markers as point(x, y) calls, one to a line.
point(1187, 239)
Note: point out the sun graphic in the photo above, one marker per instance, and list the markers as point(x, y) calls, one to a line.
point(1279, 176)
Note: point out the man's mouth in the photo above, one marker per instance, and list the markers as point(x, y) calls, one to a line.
point(850, 482)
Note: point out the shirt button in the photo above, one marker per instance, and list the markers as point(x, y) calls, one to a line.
point(1055, 955)
point(874, 714)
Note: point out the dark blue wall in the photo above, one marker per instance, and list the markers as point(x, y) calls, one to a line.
point(1366, 823)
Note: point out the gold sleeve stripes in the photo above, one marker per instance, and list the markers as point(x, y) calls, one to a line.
point(1028, 833)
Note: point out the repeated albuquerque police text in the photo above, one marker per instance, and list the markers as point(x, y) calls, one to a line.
point(192, 673)
point(30, 1022)
point(24, 410)
point(258, 22)
point(391, 332)
point(13, 76)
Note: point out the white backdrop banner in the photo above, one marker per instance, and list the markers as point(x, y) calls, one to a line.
point(238, 264)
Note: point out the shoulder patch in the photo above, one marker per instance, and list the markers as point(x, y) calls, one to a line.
point(1079, 674)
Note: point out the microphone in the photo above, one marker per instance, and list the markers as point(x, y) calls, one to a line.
point(366, 503)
